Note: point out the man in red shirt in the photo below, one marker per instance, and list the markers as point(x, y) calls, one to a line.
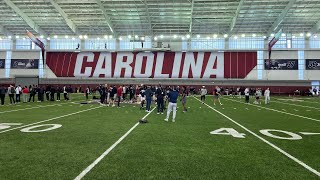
point(119, 94)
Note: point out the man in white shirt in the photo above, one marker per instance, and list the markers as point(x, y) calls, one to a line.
point(247, 94)
point(18, 92)
point(267, 96)
point(203, 92)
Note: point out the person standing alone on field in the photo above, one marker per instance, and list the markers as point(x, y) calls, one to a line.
point(184, 99)
point(87, 93)
point(267, 96)
point(203, 92)
point(172, 96)
point(216, 95)
point(247, 94)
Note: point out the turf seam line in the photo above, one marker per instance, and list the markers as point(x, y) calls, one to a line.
point(50, 119)
point(2, 112)
point(296, 105)
point(104, 154)
point(267, 142)
point(276, 110)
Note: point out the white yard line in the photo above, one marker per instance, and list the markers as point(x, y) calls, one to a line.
point(92, 165)
point(296, 105)
point(304, 117)
point(267, 142)
point(19, 127)
point(35, 107)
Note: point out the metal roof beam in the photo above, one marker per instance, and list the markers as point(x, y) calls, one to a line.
point(148, 15)
point(105, 15)
point(316, 27)
point(69, 22)
point(5, 31)
point(275, 25)
point(26, 18)
point(191, 17)
point(234, 19)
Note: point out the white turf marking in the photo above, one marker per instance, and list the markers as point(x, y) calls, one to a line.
point(49, 119)
point(309, 133)
point(283, 109)
point(296, 110)
point(277, 111)
point(296, 105)
point(2, 112)
point(104, 154)
point(269, 143)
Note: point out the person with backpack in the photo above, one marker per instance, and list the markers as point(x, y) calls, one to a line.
point(11, 93)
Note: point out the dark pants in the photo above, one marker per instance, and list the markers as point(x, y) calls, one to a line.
point(40, 96)
point(65, 95)
point(58, 96)
point(51, 96)
point(87, 96)
point(18, 97)
point(124, 96)
point(131, 96)
point(102, 98)
point(11, 96)
point(2, 96)
point(47, 96)
point(31, 96)
point(160, 104)
point(148, 104)
point(247, 99)
point(203, 98)
point(119, 98)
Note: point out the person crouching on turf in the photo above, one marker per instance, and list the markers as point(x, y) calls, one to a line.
point(247, 95)
point(184, 100)
point(216, 95)
point(172, 96)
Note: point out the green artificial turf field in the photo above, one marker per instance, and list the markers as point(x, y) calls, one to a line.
point(262, 142)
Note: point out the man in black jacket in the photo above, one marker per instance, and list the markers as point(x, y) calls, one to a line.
point(40, 93)
point(32, 93)
point(160, 103)
point(52, 91)
point(2, 94)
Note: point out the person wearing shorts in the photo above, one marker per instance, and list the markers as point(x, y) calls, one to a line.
point(216, 95)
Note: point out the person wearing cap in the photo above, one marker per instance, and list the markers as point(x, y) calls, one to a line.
point(203, 92)
point(172, 97)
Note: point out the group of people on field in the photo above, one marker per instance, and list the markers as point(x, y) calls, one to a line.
point(18, 94)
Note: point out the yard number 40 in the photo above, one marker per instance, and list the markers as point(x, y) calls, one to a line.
point(36, 128)
point(267, 132)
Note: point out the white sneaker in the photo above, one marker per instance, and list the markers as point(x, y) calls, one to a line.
point(173, 120)
point(166, 120)
point(158, 113)
point(147, 111)
point(162, 113)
